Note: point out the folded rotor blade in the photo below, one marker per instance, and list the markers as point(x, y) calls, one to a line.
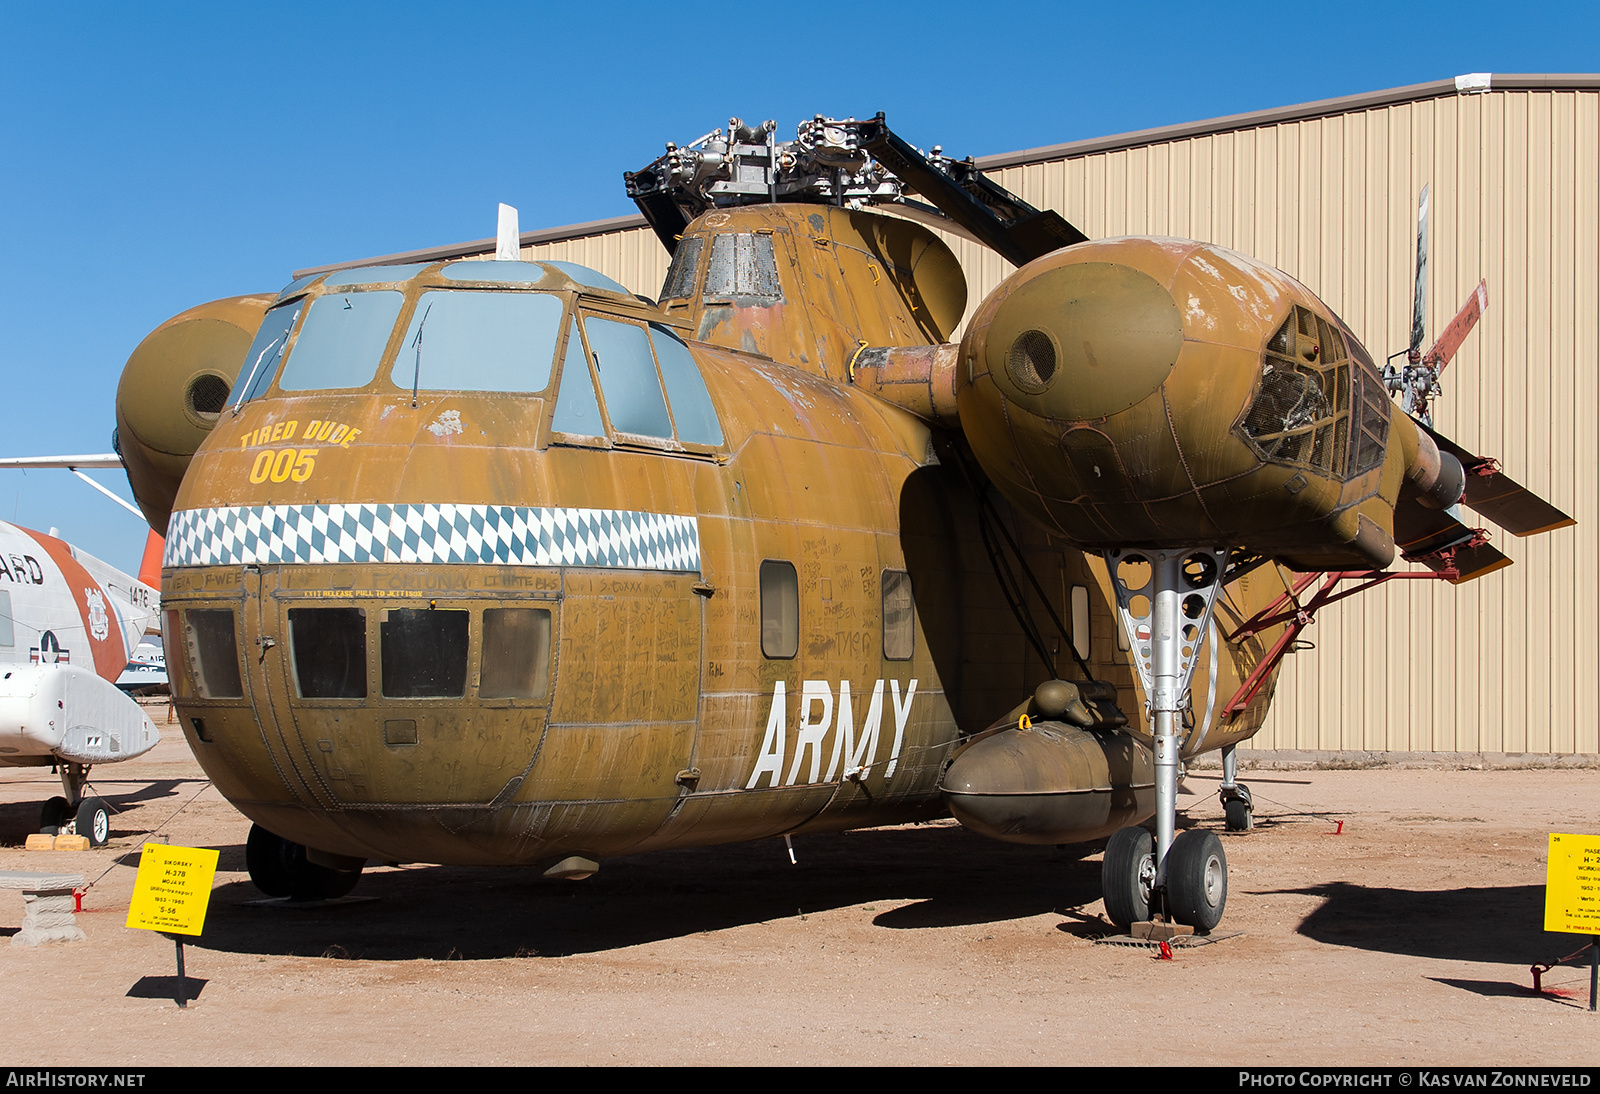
point(1501, 498)
point(99, 459)
point(1450, 341)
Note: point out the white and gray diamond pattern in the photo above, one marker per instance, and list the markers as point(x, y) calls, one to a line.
point(512, 535)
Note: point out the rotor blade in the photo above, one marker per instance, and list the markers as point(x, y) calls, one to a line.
point(104, 459)
point(1450, 341)
point(1419, 298)
point(1501, 498)
point(1423, 535)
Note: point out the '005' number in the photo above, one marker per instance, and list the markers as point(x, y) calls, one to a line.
point(282, 464)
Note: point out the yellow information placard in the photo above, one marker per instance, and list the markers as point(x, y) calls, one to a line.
point(173, 889)
point(1572, 884)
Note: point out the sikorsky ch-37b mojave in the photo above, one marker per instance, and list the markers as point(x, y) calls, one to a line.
point(493, 562)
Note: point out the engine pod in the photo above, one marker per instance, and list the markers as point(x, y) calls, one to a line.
point(1051, 783)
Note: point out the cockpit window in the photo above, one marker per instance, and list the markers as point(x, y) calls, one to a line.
point(341, 342)
point(685, 264)
point(261, 363)
point(479, 341)
point(373, 275)
point(628, 377)
point(577, 409)
point(496, 270)
point(591, 279)
point(686, 389)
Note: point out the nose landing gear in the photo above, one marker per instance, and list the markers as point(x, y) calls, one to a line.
point(280, 868)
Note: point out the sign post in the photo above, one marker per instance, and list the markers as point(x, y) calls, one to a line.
point(1572, 894)
point(171, 894)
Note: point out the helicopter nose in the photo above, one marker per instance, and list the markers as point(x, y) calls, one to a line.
point(1084, 340)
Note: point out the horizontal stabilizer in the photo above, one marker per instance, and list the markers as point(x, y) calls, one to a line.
point(1501, 498)
point(1437, 540)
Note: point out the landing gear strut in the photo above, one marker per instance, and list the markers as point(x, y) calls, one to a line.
point(1165, 600)
point(90, 816)
point(1237, 806)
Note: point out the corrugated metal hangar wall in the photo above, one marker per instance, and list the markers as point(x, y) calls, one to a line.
point(1328, 192)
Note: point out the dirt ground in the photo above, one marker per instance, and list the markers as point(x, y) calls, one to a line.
point(1407, 939)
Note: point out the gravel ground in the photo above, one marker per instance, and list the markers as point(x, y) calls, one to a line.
point(1407, 939)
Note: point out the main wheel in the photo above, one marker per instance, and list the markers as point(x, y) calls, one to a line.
point(1238, 815)
point(1127, 874)
point(272, 861)
point(280, 868)
point(54, 814)
point(94, 821)
point(1197, 879)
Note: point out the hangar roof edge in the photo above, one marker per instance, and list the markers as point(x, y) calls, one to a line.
point(1472, 83)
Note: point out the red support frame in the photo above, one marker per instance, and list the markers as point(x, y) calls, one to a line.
point(1300, 616)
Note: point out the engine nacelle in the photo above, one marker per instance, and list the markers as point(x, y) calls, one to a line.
point(173, 389)
point(1163, 393)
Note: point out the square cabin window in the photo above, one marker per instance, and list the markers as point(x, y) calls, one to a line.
point(780, 610)
point(208, 636)
point(329, 646)
point(899, 616)
point(516, 653)
point(424, 653)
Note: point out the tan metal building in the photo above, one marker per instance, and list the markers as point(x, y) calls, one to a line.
point(1327, 191)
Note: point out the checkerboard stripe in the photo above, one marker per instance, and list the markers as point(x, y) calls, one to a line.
point(512, 535)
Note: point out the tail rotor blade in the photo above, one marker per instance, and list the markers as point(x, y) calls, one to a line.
point(1419, 299)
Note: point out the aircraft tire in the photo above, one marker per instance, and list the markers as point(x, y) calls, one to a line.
point(94, 821)
point(1126, 874)
point(280, 868)
point(1197, 879)
point(53, 814)
point(1238, 814)
point(272, 861)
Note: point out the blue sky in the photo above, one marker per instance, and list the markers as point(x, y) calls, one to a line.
point(156, 156)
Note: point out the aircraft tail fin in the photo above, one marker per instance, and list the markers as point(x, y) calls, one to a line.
point(150, 564)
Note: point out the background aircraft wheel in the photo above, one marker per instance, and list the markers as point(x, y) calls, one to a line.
point(1239, 815)
point(1126, 875)
point(94, 821)
point(1197, 879)
point(54, 814)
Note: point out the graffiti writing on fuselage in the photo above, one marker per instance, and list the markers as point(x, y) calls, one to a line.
point(857, 752)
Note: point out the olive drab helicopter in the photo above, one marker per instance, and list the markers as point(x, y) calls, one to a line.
point(489, 561)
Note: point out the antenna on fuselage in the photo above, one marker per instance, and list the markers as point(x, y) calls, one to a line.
point(508, 241)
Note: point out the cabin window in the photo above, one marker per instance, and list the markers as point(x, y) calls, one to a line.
point(516, 654)
point(1080, 620)
point(341, 341)
point(329, 652)
point(743, 265)
point(686, 389)
point(577, 409)
point(780, 610)
point(479, 341)
point(213, 650)
point(424, 653)
point(8, 634)
point(899, 616)
point(628, 378)
point(261, 363)
point(681, 275)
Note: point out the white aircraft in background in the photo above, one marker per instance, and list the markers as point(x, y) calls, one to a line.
point(68, 625)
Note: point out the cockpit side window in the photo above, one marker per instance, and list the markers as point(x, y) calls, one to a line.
point(341, 341)
point(685, 265)
point(261, 363)
point(628, 377)
point(577, 409)
point(686, 389)
point(479, 341)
